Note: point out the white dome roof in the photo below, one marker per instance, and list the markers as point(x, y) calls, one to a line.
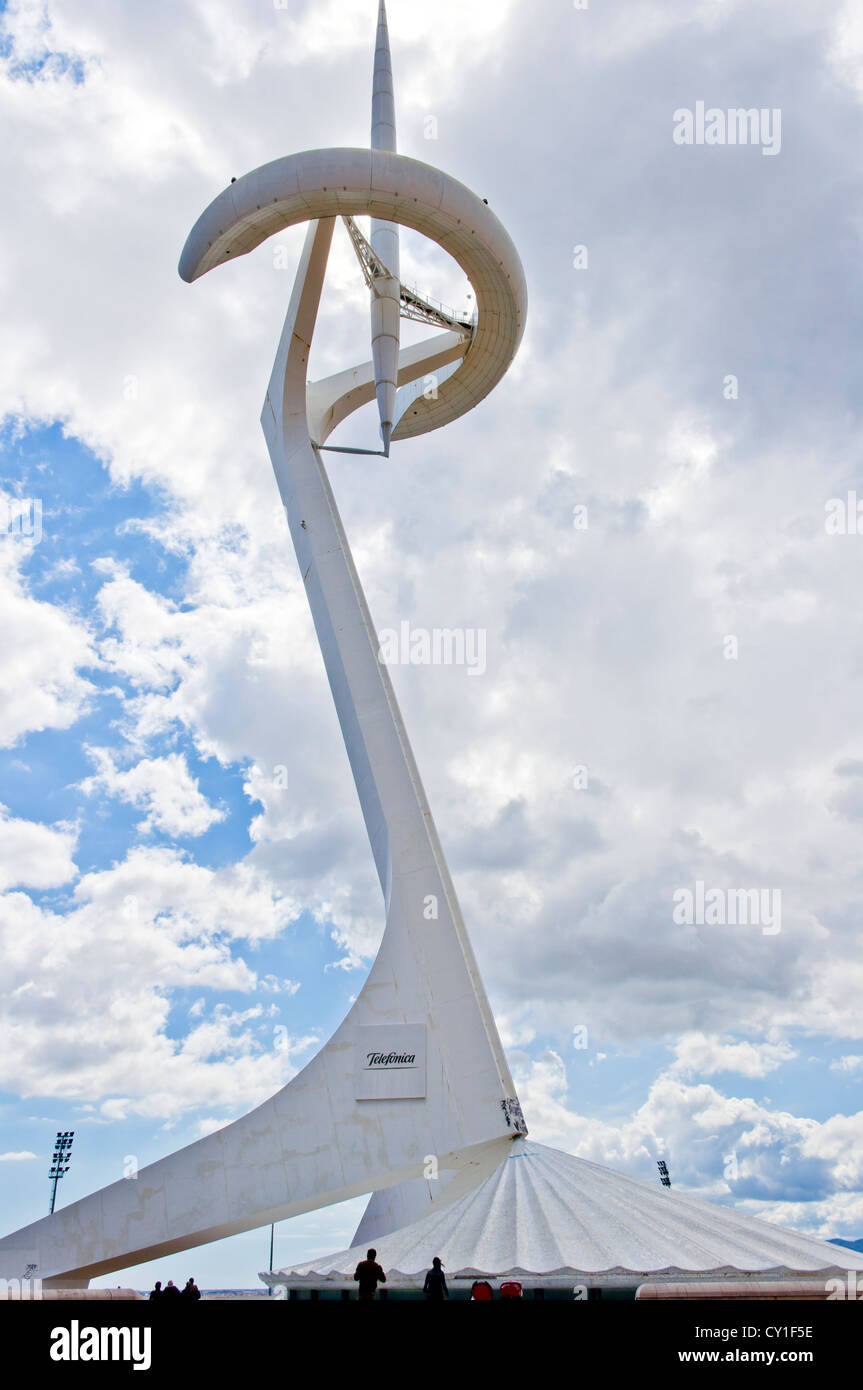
point(546, 1212)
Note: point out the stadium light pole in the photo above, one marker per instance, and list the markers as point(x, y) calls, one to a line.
point(60, 1161)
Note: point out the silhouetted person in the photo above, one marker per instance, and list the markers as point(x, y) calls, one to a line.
point(368, 1275)
point(157, 1291)
point(191, 1292)
point(435, 1288)
point(170, 1290)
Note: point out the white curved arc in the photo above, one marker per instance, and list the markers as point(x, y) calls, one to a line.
point(394, 188)
point(332, 399)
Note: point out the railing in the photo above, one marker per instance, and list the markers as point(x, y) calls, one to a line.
point(465, 318)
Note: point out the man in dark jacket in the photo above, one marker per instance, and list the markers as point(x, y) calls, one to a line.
point(435, 1288)
point(368, 1275)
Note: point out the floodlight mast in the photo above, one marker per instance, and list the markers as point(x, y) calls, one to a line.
point(60, 1161)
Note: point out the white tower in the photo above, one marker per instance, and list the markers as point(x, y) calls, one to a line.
point(416, 1069)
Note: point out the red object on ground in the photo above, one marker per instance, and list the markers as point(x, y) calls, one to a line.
point(512, 1289)
point(481, 1291)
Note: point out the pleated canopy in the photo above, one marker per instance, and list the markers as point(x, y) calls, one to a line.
point(546, 1213)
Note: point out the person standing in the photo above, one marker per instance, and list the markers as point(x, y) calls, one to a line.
point(435, 1288)
point(170, 1290)
point(157, 1291)
point(190, 1292)
point(368, 1275)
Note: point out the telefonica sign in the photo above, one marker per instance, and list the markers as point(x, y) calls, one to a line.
point(391, 1062)
point(391, 1059)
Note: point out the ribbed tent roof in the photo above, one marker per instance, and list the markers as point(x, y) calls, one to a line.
point(544, 1212)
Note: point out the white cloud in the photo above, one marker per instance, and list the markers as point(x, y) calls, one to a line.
point(136, 933)
point(44, 649)
point(699, 1055)
point(21, 1157)
point(846, 51)
point(163, 787)
point(785, 1167)
point(851, 1063)
point(33, 855)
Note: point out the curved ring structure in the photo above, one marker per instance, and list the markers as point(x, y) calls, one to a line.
point(391, 187)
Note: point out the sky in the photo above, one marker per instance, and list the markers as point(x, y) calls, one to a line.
point(652, 521)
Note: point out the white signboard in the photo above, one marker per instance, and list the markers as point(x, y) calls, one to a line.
point(391, 1062)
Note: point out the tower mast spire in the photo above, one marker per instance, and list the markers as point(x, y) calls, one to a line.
point(386, 289)
point(383, 92)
